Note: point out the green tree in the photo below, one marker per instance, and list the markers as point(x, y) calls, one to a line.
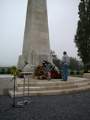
point(75, 64)
point(82, 37)
point(14, 71)
point(2, 71)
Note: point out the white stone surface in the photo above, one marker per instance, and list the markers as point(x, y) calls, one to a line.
point(29, 68)
point(52, 87)
point(36, 37)
point(21, 62)
point(6, 83)
point(86, 75)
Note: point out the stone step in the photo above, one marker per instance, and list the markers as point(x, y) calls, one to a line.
point(51, 92)
point(45, 87)
point(86, 75)
point(52, 87)
point(51, 83)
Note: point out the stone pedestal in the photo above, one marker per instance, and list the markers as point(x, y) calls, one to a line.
point(6, 83)
point(86, 75)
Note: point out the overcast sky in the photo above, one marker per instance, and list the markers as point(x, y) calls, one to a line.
point(62, 17)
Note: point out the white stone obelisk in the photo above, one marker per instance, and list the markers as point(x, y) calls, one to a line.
point(36, 46)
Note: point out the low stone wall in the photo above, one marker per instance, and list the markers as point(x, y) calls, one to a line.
point(86, 75)
point(6, 83)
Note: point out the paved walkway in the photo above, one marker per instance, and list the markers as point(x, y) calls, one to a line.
point(63, 107)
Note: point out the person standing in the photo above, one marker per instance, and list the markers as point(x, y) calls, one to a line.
point(65, 66)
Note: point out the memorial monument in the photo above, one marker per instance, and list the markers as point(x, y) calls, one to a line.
point(36, 46)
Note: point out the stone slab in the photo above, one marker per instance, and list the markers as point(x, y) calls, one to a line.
point(86, 75)
point(6, 83)
point(52, 87)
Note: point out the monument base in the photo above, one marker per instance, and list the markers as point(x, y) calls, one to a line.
point(53, 87)
point(86, 75)
point(28, 65)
